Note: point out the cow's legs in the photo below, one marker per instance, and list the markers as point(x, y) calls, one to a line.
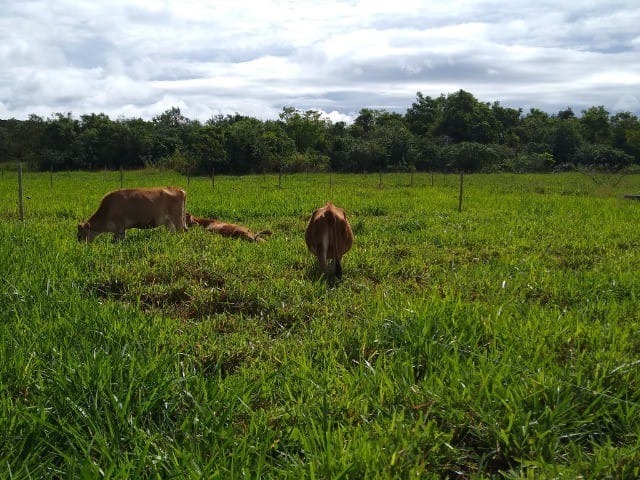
point(118, 236)
point(337, 267)
point(176, 222)
point(183, 217)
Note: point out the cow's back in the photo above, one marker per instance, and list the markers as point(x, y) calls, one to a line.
point(329, 220)
point(142, 207)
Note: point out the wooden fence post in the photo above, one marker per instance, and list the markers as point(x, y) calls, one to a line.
point(51, 178)
point(213, 178)
point(121, 177)
point(461, 188)
point(20, 201)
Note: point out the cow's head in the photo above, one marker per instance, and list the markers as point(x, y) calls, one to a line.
point(85, 234)
point(190, 220)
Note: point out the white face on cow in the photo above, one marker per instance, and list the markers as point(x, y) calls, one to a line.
point(85, 234)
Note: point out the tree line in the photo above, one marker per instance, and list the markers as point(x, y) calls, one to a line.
point(449, 132)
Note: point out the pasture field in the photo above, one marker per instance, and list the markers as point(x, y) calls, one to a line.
point(500, 341)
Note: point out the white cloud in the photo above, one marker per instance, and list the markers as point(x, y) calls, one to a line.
point(138, 58)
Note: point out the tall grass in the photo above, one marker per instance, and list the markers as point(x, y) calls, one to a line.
point(497, 341)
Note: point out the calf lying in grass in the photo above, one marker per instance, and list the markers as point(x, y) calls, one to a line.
point(226, 229)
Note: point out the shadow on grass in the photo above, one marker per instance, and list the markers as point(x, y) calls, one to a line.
point(314, 273)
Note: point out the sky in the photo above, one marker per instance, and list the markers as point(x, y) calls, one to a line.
point(139, 58)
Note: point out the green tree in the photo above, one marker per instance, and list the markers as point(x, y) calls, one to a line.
point(243, 142)
point(30, 143)
point(427, 154)
point(366, 155)
point(508, 120)
point(142, 136)
point(58, 140)
point(206, 149)
point(595, 125)
point(169, 131)
point(535, 132)
point(277, 148)
point(566, 114)
point(21, 140)
point(341, 146)
point(472, 157)
point(103, 143)
point(395, 140)
point(602, 157)
point(424, 114)
point(94, 144)
point(567, 139)
point(307, 129)
point(625, 134)
point(365, 122)
point(464, 119)
point(383, 141)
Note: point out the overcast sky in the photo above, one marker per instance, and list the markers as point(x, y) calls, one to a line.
point(138, 58)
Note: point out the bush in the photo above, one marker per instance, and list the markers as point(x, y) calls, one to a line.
point(177, 162)
point(532, 162)
point(307, 162)
point(602, 157)
point(475, 157)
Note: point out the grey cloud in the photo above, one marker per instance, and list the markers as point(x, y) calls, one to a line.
point(238, 55)
point(89, 52)
point(139, 15)
point(134, 58)
point(432, 69)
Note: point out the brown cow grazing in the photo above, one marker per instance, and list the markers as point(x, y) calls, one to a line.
point(136, 208)
point(329, 237)
point(227, 229)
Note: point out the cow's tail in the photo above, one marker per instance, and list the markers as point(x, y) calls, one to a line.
point(333, 240)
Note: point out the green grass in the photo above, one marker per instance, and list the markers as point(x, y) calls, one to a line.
point(500, 341)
